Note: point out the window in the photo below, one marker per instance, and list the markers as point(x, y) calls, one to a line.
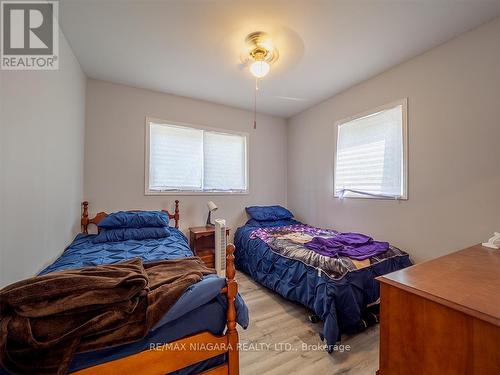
point(182, 158)
point(371, 155)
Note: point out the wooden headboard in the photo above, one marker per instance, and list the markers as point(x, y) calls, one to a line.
point(85, 221)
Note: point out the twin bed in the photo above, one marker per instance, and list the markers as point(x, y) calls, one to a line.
point(337, 289)
point(200, 327)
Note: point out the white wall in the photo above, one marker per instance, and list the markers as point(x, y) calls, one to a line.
point(454, 154)
point(41, 164)
point(114, 157)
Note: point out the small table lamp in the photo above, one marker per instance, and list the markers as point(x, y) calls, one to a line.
point(211, 207)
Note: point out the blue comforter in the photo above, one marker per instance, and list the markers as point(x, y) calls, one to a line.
point(84, 253)
point(339, 303)
point(200, 308)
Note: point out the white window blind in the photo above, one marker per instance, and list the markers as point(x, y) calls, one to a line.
point(189, 159)
point(225, 167)
point(176, 156)
point(371, 155)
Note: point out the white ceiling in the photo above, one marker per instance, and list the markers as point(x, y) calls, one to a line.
point(192, 48)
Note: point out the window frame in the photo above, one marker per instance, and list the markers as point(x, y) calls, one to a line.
point(147, 143)
point(404, 104)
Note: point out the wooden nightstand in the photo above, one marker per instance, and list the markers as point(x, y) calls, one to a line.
point(202, 242)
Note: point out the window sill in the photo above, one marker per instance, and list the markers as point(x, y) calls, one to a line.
point(370, 198)
point(194, 193)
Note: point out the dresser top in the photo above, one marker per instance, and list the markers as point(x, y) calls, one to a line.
point(467, 280)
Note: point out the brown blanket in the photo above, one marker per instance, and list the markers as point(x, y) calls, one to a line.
point(46, 319)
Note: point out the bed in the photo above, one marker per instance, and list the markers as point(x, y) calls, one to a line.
point(200, 328)
point(337, 290)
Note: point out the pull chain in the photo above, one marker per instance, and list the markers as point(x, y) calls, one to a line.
point(255, 104)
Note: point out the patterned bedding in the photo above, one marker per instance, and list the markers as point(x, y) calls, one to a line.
point(273, 255)
point(288, 241)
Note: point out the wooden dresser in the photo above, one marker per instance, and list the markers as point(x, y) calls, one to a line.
point(442, 316)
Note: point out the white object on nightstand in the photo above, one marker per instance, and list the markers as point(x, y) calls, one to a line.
point(493, 242)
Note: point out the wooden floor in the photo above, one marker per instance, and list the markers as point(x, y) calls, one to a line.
point(274, 320)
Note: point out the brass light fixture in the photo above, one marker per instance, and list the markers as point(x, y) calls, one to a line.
point(261, 55)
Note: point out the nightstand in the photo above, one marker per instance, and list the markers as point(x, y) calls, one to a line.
point(202, 242)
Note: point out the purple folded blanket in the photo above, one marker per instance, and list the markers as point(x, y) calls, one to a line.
point(353, 245)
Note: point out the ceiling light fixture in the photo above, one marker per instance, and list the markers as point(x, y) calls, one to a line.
point(261, 55)
point(259, 69)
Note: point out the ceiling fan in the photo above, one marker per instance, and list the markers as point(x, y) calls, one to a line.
point(259, 56)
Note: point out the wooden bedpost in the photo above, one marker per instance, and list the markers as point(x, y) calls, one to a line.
point(231, 333)
point(176, 213)
point(85, 217)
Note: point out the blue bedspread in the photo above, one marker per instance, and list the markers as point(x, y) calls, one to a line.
point(200, 308)
point(339, 303)
point(84, 253)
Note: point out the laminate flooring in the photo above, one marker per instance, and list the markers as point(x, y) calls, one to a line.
point(279, 330)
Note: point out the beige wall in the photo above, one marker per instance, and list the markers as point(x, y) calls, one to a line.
point(114, 152)
point(41, 164)
point(454, 154)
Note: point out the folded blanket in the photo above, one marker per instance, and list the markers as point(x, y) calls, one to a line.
point(353, 245)
point(46, 319)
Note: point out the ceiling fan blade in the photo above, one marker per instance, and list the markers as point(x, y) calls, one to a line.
point(291, 98)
